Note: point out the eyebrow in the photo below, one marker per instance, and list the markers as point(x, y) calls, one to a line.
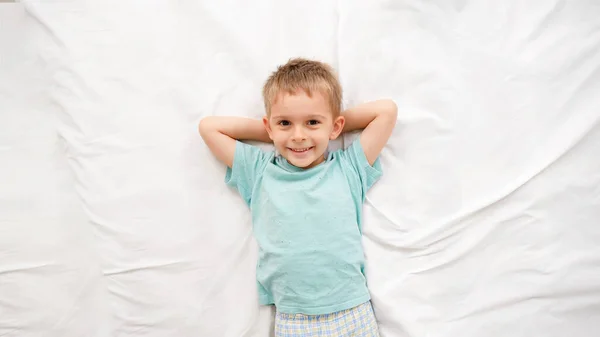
point(308, 117)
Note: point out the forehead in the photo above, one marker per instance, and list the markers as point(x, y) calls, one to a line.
point(300, 104)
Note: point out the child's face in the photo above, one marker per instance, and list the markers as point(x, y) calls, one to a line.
point(301, 127)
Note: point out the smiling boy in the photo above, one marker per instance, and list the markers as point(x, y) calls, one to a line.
point(306, 203)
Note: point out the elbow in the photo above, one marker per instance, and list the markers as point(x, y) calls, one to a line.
point(205, 126)
point(393, 107)
point(390, 109)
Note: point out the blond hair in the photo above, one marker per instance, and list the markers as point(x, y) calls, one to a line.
point(307, 75)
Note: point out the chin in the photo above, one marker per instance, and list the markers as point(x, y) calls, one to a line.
point(306, 163)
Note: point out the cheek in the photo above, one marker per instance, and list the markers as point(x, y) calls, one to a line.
point(325, 133)
point(279, 136)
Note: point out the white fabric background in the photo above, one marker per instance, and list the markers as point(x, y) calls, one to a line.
point(115, 221)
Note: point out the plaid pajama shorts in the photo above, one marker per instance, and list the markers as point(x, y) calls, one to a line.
point(356, 322)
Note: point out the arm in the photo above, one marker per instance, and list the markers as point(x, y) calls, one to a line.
point(378, 119)
point(220, 133)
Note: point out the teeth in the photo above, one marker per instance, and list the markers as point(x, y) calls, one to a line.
point(300, 150)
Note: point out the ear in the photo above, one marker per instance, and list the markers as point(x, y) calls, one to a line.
point(338, 127)
point(267, 126)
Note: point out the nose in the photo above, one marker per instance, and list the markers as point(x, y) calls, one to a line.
point(298, 135)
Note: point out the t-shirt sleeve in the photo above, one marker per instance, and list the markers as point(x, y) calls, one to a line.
point(364, 175)
point(249, 162)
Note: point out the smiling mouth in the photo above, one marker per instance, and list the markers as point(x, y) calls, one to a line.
point(300, 150)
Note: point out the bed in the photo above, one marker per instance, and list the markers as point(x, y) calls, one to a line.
point(115, 220)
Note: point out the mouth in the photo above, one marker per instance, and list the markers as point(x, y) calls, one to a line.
point(300, 150)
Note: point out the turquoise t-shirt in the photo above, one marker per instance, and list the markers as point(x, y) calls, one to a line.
point(307, 223)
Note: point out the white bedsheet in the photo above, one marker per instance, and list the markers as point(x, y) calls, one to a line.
point(115, 221)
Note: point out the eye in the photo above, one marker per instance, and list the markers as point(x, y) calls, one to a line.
point(284, 123)
point(313, 122)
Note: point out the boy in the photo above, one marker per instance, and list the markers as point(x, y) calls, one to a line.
point(306, 203)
